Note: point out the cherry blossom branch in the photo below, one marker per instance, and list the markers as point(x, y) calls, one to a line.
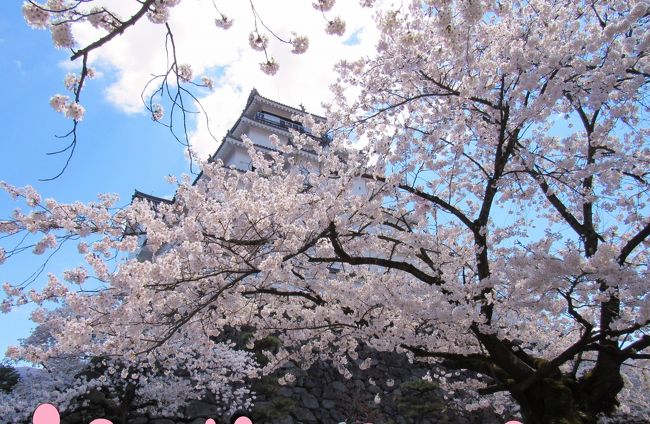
point(342, 256)
point(633, 243)
point(119, 30)
point(317, 300)
point(432, 198)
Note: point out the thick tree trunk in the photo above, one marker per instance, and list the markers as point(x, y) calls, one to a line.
point(598, 388)
point(552, 401)
point(564, 400)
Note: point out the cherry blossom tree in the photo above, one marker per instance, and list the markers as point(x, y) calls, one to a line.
point(483, 205)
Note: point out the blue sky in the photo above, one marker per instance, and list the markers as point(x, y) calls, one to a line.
point(120, 149)
point(116, 153)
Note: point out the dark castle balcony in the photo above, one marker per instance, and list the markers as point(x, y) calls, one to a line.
point(276, 121)
point(284, 124)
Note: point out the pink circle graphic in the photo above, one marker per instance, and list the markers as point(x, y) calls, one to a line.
point(210, 421)
point(101, 421)
point(243, 420)
point(46, 413)
point(513, 422)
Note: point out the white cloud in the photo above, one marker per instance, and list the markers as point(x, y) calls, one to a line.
point(131, 59)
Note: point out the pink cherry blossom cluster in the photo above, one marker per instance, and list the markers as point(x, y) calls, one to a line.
point(223, 22)
point(157, 112)
point(62, 35)
point(185, 72)
point(35, 16)
point(335, 26)
point(324, 5)
point(300, 44)
point(270, 67)
point(257, 41)
point(69, 108)
point(101, 18)
point(77, 275)
point(207, 82)
point(159, 11)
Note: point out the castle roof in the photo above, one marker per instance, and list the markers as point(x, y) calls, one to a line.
point(255, 99)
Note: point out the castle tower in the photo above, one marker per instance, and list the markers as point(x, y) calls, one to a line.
point(260, 118)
